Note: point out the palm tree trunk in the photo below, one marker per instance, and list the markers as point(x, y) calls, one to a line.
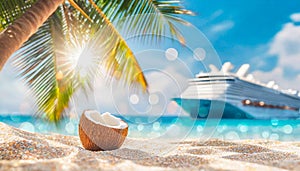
point(20, 31)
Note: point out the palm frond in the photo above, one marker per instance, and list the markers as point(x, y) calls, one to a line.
point(74, 4)
point(11, 10)
point(45, 69)
point(157, 17)
point(107, 48)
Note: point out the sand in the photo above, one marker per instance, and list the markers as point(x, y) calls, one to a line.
point(20, 150)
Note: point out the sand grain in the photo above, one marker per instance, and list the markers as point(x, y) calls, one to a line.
point(21, 150)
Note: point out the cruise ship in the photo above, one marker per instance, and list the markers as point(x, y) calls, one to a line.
point(237, 95)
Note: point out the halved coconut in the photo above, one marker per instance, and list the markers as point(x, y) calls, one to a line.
point(101, 132)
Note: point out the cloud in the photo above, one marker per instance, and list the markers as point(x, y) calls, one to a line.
point(285, 45)
point(278, 75)
point(223, 26)
point(216, 14)
point(295, 17)
point(13, 94)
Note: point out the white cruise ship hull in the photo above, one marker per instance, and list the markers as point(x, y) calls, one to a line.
point(229, 96)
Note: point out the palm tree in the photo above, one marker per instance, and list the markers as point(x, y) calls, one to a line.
point(48, 38)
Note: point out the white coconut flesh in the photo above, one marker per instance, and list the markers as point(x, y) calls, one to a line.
point(105, 119)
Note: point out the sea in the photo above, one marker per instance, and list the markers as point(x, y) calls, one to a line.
point(158, 127)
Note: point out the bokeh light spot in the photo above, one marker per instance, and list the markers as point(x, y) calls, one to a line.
point(274, 136)
point(153, 99)
point(26, 126)
point(232, 135)
point(156, 126)
point(140, 127)
point(265, 134)
point(243, 128)
point(171, 54)
point(274, 122)
point(199, 54)
point(134, 99)
point(199, 128)
point(288, 129)
point(70, 128)
point(220, 129)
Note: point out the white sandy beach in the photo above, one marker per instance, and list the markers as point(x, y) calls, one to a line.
point(20, 150)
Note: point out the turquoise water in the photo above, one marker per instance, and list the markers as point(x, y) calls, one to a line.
point(175, 127)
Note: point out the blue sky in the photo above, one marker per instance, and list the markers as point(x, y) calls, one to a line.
point(244, 28)
point(263, 33)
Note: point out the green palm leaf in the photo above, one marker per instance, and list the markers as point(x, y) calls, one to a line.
point(146, 16)
point(11, 10)
point(45, 69)
point(108, 48)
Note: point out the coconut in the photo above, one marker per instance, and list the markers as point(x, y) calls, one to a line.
point(101, 132)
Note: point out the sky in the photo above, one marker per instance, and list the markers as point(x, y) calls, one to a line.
point(262, 33)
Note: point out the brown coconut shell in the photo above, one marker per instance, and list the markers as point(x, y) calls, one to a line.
point(98, 137)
